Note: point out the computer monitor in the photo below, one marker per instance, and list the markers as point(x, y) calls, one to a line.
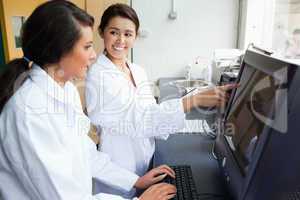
point(257, 120)
point(254, 98)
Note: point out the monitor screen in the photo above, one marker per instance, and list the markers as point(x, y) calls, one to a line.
point(254, 98)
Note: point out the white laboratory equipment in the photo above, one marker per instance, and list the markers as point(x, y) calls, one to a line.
point(225, 61)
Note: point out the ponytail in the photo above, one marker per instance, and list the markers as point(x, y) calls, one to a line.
point(43, 41)
point(8, 78)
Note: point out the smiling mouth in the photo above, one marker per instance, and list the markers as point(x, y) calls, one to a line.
point(118, 48)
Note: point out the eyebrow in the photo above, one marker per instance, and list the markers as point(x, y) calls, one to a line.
point(127, 30)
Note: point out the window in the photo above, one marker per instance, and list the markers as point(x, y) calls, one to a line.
point(17, 23)
point(286, 29)
point(272, 24)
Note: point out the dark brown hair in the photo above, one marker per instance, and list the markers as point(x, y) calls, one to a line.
point(49, 33)
point(118, 10)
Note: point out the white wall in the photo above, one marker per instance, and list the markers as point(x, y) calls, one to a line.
point(201, 27)
point(259, 23)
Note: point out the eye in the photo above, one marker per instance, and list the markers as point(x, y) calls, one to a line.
point(88, 46)
point(113, 32)
point(128, 34)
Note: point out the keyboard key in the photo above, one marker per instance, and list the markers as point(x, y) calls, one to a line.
point(184, 182)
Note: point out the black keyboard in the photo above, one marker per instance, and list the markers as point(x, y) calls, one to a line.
point(184, 182)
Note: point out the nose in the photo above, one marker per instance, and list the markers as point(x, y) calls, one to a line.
point(121, 38)
point(93, 55)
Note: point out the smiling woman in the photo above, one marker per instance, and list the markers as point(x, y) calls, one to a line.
point(120, 102)
point(119, 37)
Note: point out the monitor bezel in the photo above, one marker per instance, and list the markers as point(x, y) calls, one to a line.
point(236, 155)
point(237, 182)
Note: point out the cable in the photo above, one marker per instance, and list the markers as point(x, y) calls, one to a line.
point(213, 151)
point(208, 133)
point(213, 136)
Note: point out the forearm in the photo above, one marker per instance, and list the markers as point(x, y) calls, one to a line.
point(109, 173)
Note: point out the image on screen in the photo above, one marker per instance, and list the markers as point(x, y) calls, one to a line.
point(256, 94)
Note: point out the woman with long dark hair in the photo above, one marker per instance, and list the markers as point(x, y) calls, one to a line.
point(45, 152)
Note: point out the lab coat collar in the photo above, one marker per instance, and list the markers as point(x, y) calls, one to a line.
point(50, 86)
point(106, 63)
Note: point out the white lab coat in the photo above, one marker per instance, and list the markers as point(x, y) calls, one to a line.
point(45, 152)
point(128, 117)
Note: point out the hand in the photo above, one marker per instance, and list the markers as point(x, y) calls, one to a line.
point(216, 96)
point(161, 191)
point(153, 176)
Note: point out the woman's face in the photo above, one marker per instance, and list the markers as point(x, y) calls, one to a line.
point(119, 36)
point(76, 62)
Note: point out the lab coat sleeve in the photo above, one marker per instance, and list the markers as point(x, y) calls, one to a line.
point(107, 172)
point(102, 196)
point(118, 110)
point(38, 161)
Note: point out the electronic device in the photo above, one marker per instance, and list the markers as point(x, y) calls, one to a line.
point(258, 141)
point(184, 182)
point(228, 77)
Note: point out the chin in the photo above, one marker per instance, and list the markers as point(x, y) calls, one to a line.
point(82, 75)
point(118, 56)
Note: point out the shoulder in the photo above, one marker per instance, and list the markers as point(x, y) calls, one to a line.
point(102, 63)
point(27, 104)
point(28, 97)
point(102, 67)
point(139, 71)
point(137, 68)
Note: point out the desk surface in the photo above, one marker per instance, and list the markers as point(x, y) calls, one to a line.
point(194, 150)
point(191, 149)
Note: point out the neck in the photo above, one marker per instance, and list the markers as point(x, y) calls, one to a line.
point(120, 63)
point(57, 74)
